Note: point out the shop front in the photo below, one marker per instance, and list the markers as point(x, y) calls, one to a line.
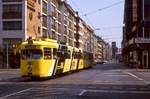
point(11, 53)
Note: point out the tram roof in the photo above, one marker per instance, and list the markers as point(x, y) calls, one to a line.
point(42, 42)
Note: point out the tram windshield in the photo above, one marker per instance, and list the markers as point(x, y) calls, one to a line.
point(31, 54)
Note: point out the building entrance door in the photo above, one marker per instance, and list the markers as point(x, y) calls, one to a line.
point(145, 59)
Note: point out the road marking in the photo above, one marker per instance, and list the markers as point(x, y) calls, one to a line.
point(91, 87)
point(82, 92)
point(118, 91)
point(105, 87)
point(117, 88)
point(15, 93)
point(130, 88)
point(134, 76)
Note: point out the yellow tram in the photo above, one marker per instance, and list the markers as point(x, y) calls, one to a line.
point(46, 58)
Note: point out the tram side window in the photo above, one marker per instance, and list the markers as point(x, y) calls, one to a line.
point(80, 55)
point(47, 53)
point(54, 53)
point(31, 54)
point(75, 55)
point(36, 54)
point(68, 55)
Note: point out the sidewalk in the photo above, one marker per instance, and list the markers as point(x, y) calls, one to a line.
point(9, 73)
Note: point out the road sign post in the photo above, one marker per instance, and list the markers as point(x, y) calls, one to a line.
point(7, 56)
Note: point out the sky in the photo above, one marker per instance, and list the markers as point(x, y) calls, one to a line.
point(107, 22)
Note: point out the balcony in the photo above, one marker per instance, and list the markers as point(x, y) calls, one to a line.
point(59, 30)
point(71, 35)
point(54, 14)
point(65, 22)
point(44, 24)
point(81, 33)
point(53, 26)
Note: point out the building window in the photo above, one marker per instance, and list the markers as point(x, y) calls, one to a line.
point(65, 30)
point(39, 30)
point(30, 16)
point(59, 17)
point(39, 15)
point(147, 2)
point(54, 2)
point(12, 25)
point(54, 36)
point(53, 24)
point(44, 20)
point(53, 10)
point(11, 0)
point(39, 1)
point(44, 33)
point(44, 7)
point(147, 33)
point(59, 28)
point(12, 11)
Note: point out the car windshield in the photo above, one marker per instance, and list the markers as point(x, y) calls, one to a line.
point(31, 54)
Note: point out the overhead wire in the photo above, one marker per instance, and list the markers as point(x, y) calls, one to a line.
point(105, 28)
point(111, 27)
point(87, 19)
point(109, 6)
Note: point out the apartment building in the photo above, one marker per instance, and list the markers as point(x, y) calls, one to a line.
point(85, 38)
point(136, 33)
point(95, 54)
point(80, 33)
point(21, 19)
point(70, 24)
point(98, 50)
point(55, 19)
point(114, 49)
point(12, 27)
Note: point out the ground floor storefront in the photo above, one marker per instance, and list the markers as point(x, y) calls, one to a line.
point(137, 56)
point(9, 53)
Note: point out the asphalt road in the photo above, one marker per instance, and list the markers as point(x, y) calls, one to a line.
point(108, 81)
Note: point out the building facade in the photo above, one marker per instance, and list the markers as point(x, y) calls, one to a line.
point(99, 50)
point(136, 33)
point(21, 19)
point(55, 19)
point(107, 52)
point(12, 28)
point(114, 50)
